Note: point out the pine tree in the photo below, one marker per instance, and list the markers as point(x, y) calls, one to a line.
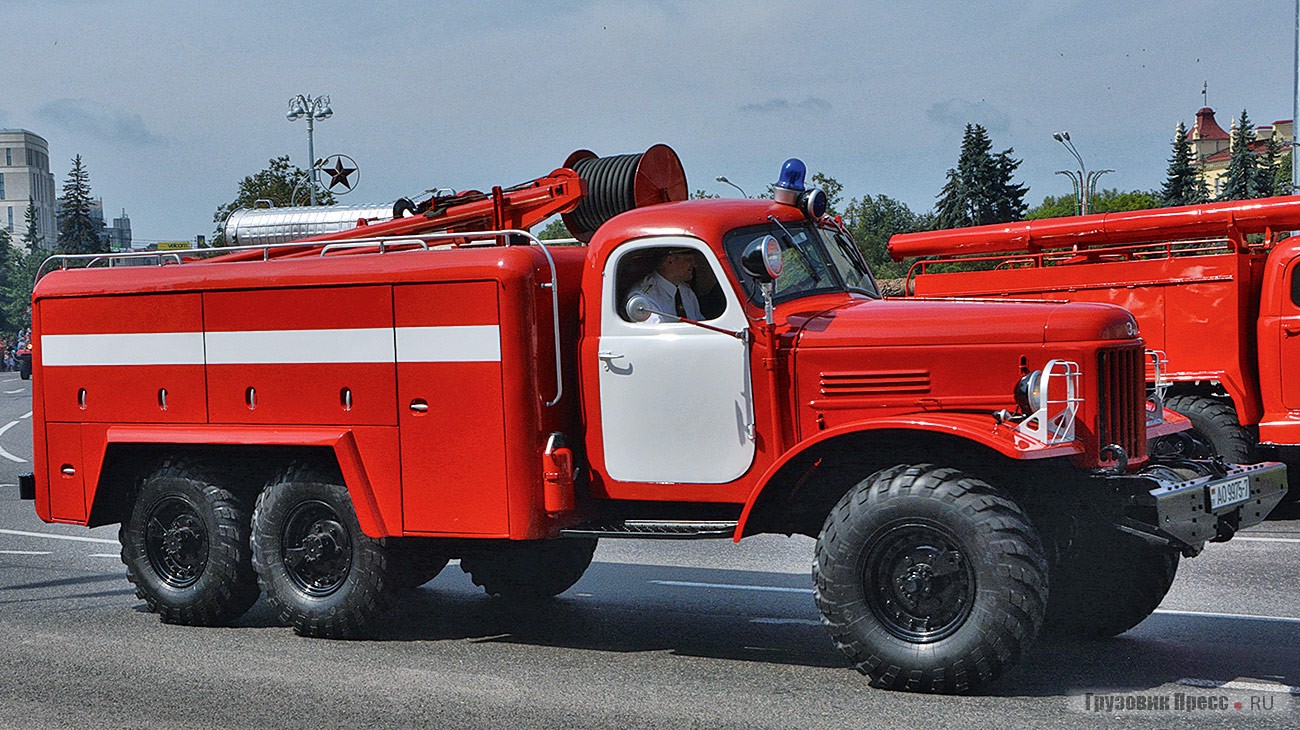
point(980, 190)
point(1183, 183)
point(1265, 182)
point(31, 219)
point(78, 232)
point(1243, 167)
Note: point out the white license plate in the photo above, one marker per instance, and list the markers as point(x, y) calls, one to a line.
point(1230, 492)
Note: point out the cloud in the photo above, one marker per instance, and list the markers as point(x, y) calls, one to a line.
point(99, 121)
point(812, 103)
point(957, 113)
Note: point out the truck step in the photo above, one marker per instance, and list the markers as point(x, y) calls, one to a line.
point(660, 529)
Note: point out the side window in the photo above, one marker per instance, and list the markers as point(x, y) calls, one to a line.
point(1295, 285)
point(659, 273)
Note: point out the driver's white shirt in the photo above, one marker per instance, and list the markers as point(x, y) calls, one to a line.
point(662, 295)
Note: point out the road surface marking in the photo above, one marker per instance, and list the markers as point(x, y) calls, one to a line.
point(28, 414)
point(104, 555)
point(1244, 686)
point(801, 621)
point(1252, 538)
point(6, 454)
point(75, 538)
point(732, 586)
point(24, 552)
point(11, 392)
point(1252, 617)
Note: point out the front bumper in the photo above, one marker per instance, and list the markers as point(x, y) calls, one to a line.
point(1176, 505)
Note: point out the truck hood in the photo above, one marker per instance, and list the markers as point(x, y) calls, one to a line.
point(962, 322)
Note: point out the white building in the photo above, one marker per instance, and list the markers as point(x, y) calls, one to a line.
point(25, 176)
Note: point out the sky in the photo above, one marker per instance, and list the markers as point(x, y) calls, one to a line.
point(171, 104)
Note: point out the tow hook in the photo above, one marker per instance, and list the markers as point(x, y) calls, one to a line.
point(1120, 467)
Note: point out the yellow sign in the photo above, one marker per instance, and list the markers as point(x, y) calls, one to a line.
point(174, 245)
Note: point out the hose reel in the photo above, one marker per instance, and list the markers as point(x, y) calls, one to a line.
point(621, 183)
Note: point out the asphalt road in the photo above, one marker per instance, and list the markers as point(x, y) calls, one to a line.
point(657, 634)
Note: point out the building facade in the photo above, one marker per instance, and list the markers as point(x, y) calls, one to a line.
point(1212, 147)
point(25, 177)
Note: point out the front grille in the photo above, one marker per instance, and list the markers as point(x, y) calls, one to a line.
point(1121, 389)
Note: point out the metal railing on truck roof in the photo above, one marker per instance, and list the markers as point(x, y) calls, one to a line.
point(382, 245)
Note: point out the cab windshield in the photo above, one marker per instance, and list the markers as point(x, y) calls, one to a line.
point(816, 259)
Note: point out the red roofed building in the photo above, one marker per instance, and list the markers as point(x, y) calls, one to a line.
point(1212, 147)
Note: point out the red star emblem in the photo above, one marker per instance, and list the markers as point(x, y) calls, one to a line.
point(339, 174)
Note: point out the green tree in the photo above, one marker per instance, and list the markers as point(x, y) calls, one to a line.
point(1241, 180)
point(1109, 200)
point(1266, 177)
point(282, 183)
point(555, 229)
point(1282, 175)
point(33, 238)
point(981, 189)
point(78, 231)
point(702, 194)
point(17, 276)
point(872, 220)
point(1183, 182)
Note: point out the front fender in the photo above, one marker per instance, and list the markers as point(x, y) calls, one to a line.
point(979, 428)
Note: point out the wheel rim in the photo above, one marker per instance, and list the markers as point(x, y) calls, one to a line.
point(919, 582)
point(317, 548)
point(176, 542)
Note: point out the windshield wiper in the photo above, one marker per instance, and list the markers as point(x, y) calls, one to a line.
point(789, 241)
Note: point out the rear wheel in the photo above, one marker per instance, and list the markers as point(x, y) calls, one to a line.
point(1106, 583)
point(321, 573)
point(929, 580)
point(531, 569)
point(186, 548)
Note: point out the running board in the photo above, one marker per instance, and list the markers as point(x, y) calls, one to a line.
point(658, 529)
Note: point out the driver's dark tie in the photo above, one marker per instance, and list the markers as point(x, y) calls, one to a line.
point(677, 300)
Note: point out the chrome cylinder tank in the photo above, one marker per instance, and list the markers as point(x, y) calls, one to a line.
point(261, 226)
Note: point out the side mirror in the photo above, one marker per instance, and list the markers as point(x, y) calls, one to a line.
point(639, 308)
point(762, 259)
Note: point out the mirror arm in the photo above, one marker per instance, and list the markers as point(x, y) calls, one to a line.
point(742, 335)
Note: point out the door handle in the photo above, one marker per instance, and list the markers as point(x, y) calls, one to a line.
point(420, 405)
point(608, 356)
point(1290, 331)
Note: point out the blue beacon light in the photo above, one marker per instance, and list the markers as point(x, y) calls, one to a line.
point(790, 183)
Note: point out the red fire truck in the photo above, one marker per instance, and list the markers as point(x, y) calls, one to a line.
point(1210, 285)
point(330, 419)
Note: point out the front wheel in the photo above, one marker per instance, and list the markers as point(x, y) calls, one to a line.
point(321, 573)
point(1106, 583)
point(929, 580)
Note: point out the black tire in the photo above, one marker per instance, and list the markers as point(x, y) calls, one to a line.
point(929, 580)
point(411, 566)
point(532, 569)
point(185, 547)
point(322, 575)
point(1106, 583)
point(1215, 430)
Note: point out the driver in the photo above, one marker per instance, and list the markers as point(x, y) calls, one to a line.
point(668, 287)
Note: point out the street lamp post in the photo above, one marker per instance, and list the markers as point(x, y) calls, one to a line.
point(1083, 180)
point(317, 108)
point(723, 179)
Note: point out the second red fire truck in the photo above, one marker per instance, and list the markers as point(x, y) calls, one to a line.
point(331, 419)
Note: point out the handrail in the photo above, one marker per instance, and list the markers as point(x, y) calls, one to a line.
point(506, 236)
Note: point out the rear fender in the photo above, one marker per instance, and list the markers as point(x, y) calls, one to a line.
point(977, 428)
point(378, 513)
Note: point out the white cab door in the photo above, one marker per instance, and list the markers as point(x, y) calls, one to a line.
point(675, 399)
